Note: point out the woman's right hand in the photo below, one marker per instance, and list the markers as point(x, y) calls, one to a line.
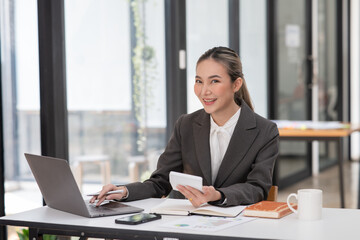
point(104, 196)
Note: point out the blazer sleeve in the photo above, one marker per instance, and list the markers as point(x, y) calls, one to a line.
point(158, 184)
point(259, 178)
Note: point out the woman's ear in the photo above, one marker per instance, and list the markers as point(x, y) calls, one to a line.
point(237, 84)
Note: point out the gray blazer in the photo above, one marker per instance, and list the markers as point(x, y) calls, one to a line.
point(245, 174)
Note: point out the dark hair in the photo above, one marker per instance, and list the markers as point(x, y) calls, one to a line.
point(231, 60)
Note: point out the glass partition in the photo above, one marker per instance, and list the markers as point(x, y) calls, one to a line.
point(292, 99)
point(328, 97)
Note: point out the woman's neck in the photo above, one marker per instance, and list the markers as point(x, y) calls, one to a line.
point(221, 118)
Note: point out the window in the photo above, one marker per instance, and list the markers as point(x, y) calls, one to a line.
point(115, 58)
point(20, 92)
point(253, 51)
point(200, 15)
point(20, 82)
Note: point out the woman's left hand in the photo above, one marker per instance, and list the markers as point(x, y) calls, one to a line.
point(196, 197)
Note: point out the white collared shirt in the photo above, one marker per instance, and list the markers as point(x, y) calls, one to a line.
point(219, 140)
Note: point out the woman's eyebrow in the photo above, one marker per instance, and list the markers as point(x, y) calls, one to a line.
point(214, 76)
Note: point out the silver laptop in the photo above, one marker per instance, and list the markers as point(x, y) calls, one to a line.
point(60, 191)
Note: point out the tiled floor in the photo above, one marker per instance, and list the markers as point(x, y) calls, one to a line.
point(328, 181)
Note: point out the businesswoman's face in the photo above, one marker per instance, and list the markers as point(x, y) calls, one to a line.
point(215, 90)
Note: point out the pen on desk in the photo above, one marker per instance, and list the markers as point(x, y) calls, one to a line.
point(110, 192)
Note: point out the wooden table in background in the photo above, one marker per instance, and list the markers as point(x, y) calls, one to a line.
point(324, 135)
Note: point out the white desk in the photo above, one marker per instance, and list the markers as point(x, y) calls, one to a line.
point(336, 224)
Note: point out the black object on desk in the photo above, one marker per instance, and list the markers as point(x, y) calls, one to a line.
point(138, 218)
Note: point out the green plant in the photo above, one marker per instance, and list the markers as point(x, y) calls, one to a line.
point(24, 235)
point(144, 64)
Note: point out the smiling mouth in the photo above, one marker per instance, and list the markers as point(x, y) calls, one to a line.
point(209, 101)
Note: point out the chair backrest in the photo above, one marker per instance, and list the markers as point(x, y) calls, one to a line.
point(273, 194)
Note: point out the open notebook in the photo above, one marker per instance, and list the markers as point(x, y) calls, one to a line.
point(184, 207)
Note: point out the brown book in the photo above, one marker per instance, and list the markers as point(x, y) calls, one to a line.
point(268, 209)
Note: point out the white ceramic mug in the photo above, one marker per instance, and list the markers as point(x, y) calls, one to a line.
point(309, 204)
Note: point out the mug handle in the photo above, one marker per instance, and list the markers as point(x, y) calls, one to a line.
point(288, 202)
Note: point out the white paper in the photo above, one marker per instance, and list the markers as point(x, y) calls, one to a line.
point(310, 124)
point(292, 35)
point(204, 223)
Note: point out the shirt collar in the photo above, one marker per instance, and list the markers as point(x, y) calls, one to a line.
point(231, 122)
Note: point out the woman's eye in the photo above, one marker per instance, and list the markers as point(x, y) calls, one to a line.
point(214, 81)
point(197, 81)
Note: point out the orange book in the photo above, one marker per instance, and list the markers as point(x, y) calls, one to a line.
point(268, 209)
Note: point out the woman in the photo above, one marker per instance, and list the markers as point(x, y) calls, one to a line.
point(232, 148)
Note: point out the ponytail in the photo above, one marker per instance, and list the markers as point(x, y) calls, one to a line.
point(243, 94)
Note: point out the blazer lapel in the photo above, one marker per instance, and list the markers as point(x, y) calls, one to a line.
point(244, 135)
point(201, 129)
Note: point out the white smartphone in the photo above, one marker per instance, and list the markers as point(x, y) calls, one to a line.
point(184, 179)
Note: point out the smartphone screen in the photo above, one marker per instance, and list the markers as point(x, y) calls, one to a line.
point(138, 218)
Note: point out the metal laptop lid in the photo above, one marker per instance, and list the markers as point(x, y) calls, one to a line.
point(60, 191)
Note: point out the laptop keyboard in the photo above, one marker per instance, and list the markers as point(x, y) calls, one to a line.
point(106, 207)
point(112, 205)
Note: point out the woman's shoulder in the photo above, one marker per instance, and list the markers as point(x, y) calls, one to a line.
point(265, 124)
point(255, 120)
point(185, 122)
point(198, 115)
point(263, 120)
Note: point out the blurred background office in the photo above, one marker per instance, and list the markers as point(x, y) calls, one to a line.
point(101, 83)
